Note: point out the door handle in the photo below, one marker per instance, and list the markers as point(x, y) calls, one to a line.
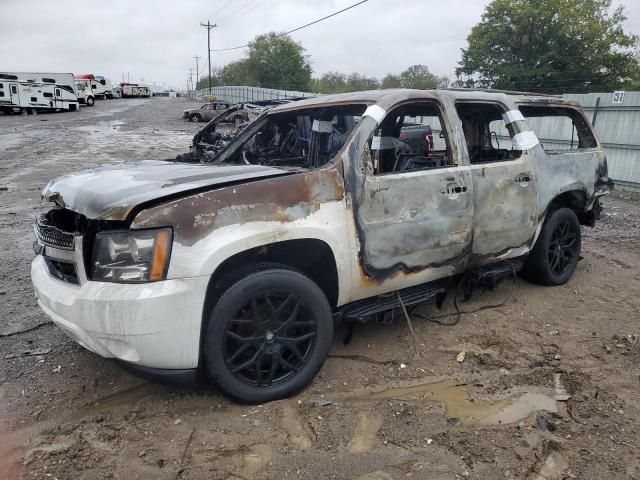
point(452, 190)
point(523, 179)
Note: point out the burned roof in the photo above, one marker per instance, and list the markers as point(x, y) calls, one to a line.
point(388, 97)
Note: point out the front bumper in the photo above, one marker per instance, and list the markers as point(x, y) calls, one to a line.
point(154, 325)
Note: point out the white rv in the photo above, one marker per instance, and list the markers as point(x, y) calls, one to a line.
point(65, 80)
point(18, 97)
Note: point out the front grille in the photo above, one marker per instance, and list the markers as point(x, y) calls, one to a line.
point(54, 237)
point(65, 271)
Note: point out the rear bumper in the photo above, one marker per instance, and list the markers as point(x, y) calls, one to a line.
point(154, 325)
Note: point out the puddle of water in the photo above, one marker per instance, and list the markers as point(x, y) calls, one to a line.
point(458, 404)
point(102, 128)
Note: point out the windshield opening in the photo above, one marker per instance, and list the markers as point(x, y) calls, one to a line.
point(307, 138)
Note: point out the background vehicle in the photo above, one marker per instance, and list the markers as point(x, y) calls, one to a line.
point(132, 90)
point(108, 87)
point(84, 93)
point(91, 84)
point(18, 96)
point(64, 80)
point(237, 263)
point(206, 112)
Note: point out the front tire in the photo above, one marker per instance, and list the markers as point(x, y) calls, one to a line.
point(90, 101)
point(555, 255)
point(268, 334)
point(195, 117)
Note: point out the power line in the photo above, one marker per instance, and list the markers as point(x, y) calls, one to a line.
point(298, 28)
point(221, 8)
point(243, 7)
point(256, 7)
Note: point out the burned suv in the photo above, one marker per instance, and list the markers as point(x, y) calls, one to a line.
point(237, 263)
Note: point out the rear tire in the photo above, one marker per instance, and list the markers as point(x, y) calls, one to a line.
point(268, 334)
point(555, 255)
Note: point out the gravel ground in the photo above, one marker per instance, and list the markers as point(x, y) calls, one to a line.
point(378, 410)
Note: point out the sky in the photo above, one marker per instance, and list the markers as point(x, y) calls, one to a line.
point(154, 41)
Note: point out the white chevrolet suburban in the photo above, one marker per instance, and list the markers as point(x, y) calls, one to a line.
point(235, 259)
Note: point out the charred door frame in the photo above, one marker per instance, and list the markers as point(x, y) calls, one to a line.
point(505, 198)
point(369, 272)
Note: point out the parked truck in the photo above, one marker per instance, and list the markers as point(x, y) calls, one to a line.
point(18, 96)
point(132, 90)
point(106, 83)
point(97, 89)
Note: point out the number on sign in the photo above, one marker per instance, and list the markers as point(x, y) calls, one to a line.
point(618, 97)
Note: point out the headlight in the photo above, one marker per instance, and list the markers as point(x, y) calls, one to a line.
point(131, 256)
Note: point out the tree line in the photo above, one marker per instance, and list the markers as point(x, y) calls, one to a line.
point(550, 46)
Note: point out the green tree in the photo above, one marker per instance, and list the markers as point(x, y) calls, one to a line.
point(357, 82)
point(277, 62)
point(419, 76)
point(553, 46)
point(391, 80)
point(330, 82)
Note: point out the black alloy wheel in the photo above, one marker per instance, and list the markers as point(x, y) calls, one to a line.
point(270, 338)
point(268, 334)
point(555, 256)
point(562, 247)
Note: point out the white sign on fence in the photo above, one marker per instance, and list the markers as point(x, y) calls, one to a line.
point(618, 98)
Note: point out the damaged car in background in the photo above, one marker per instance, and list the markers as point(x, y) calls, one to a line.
point(236, 261)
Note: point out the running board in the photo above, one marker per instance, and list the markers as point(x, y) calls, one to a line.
point(487, 276)
point(361, 310)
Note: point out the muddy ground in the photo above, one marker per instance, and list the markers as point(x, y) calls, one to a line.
point(378, 410)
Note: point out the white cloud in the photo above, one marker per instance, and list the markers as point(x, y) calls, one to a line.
point(156, 40)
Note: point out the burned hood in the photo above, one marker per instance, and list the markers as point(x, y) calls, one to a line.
point(111, 192)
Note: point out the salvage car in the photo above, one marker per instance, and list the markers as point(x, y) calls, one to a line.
point(206, 112)
point(236, 265)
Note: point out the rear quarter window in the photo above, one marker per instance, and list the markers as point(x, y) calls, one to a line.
point(559, 129)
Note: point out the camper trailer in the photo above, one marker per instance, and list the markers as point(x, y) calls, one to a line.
point(18, 96)
point(130, 90)
point(64, 80)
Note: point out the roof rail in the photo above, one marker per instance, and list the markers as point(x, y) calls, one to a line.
point(506, 92)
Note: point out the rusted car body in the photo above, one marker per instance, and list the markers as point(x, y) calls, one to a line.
point(320, 188)
point(206, 112)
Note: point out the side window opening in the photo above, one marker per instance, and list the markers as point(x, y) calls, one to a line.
point(487, 136)
point(304, 138)
point(559, 129)
point(411, 137)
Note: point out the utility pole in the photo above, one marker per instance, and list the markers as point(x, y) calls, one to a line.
point(197, 72)
point(191, 79)
point(209, 27)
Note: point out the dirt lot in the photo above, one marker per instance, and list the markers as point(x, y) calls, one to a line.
point(377, 411)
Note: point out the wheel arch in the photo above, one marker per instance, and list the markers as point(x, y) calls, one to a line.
point(312, 257)
point(575, 199)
